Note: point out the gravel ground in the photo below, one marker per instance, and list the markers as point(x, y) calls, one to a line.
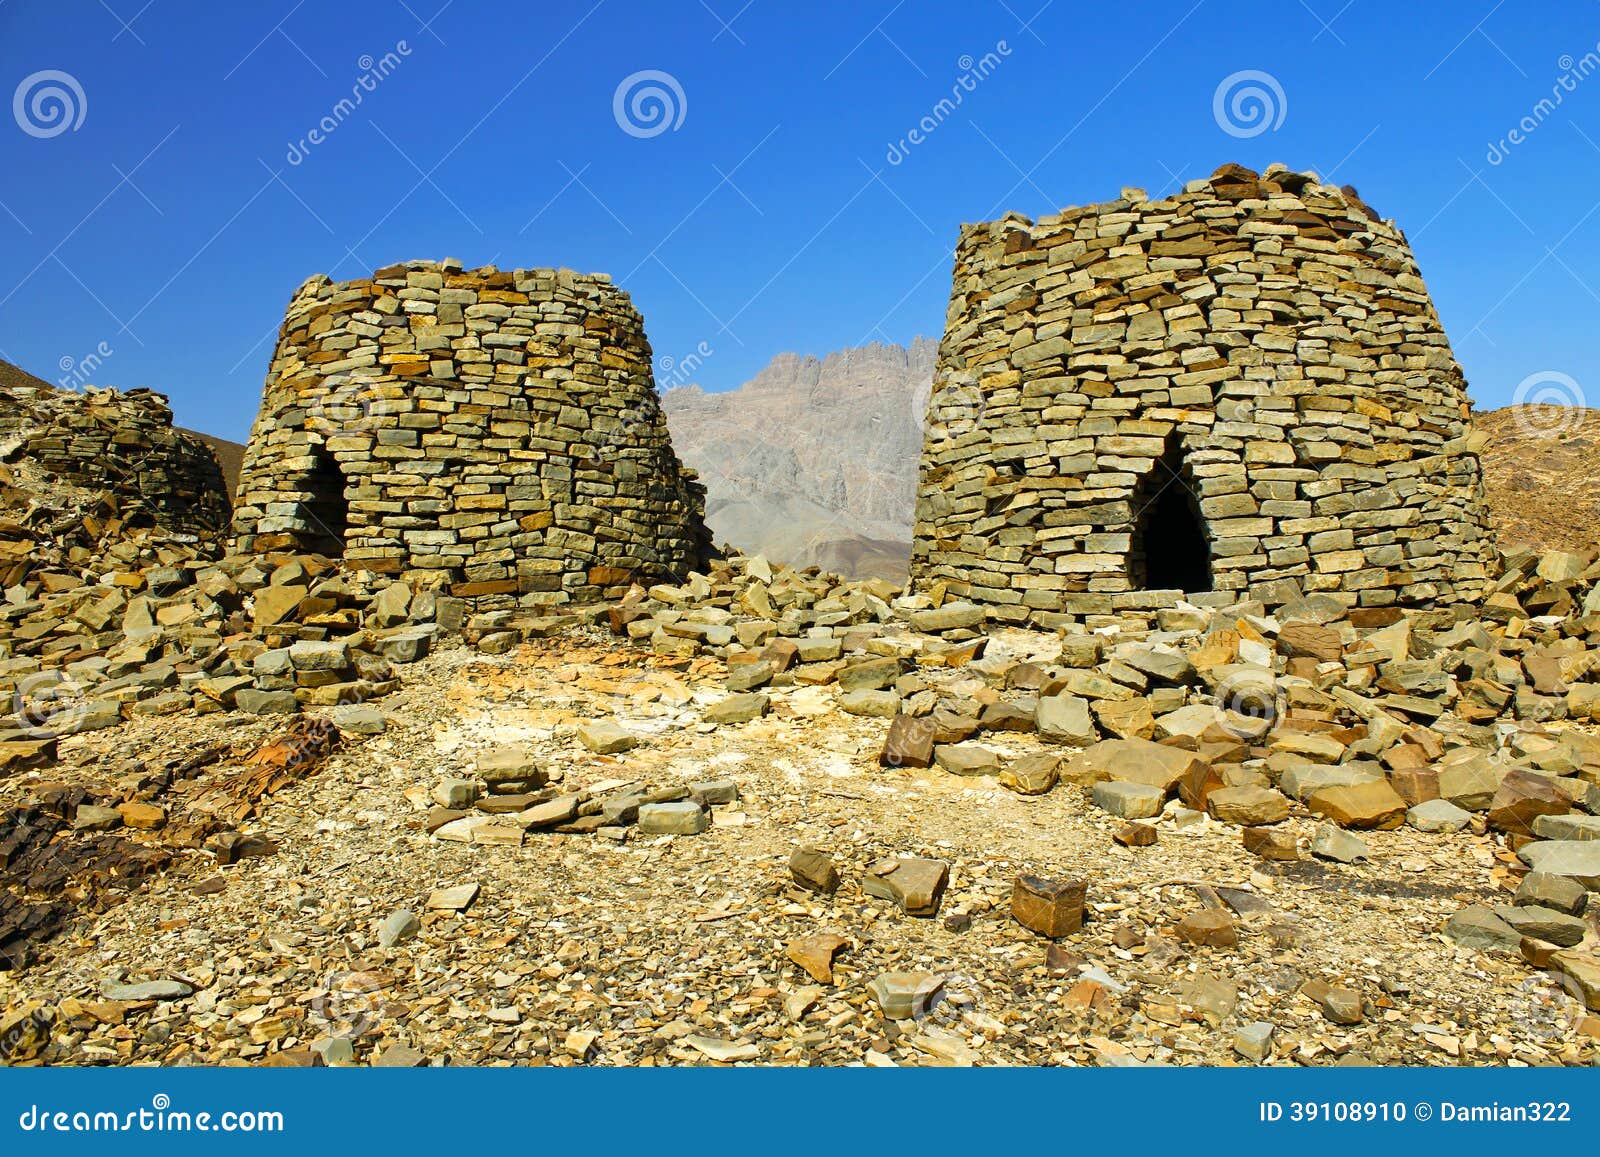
point(672, 950)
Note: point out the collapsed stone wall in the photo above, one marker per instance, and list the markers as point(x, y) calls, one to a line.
point(496, 434)
point(1260, 348)
point(121, 442)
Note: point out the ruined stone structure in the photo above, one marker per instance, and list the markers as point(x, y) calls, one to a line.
point(1242, 389)
point(493, 433)
point(124, 443)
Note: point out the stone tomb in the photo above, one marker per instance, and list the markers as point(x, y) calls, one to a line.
point(493, 434)
point(1242, 390)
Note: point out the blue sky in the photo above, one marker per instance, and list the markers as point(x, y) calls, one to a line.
point(170, 216)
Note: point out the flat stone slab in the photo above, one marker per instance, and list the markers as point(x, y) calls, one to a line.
point(909, 742)
point(950, 617)
point(456, 899)
point(870, 704)
point(917, 885)
point(1562, 893)
point(1544, 923)
point(814, 870)
point(1065, 719)
point(903, 995)
point(1131, 761)
point(1360, 805)
point(358, 719)
point(1478, 927)
point(1051, 908)
point(723, 1051)
point(560, 810)
point(606, 737)
point(1031, 774)
point(398, 927)
point(1129, 801)
point(1438, 815)
point(673, 819)
point(1330, 843)
point(967, 759)
point(1567, 827)
point(741, 708)
point(510, 766)
point(1579, 859)
point(1247, 806)
point(147, 990)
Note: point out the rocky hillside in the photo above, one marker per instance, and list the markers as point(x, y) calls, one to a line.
point(1542, 467)
point(813, 461)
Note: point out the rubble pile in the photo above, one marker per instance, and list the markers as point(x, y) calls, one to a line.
point(122, 442)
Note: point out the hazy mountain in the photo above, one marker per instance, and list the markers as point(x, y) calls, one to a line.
point(813, 460)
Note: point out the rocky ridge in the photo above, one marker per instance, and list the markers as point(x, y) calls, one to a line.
point(813, 461)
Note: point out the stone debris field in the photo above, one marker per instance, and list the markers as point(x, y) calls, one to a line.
point(774, 817)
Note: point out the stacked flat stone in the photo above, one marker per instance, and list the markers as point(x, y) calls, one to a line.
point(123, 443)
point(1267, 332)
point(496, 434)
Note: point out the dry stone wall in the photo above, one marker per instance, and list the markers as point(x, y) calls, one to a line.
point(121, 442)
point(496, 434)
point(1240, 390)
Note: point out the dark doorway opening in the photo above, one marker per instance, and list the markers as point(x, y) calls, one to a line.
point(326, 509)
point(1170, 549)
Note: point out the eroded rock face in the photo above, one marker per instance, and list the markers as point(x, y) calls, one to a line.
point(814, 460)
point(496, 433)
point(1242, 388)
